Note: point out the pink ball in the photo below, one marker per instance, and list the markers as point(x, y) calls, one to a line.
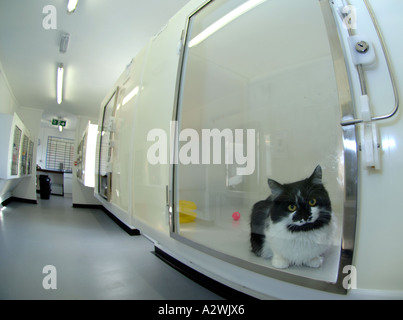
point(236, 216)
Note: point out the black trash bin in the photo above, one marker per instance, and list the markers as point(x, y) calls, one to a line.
point(44, 185)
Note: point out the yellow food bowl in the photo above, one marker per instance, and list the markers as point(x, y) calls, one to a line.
point(186, 213)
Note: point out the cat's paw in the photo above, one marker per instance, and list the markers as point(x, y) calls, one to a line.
point(315, 262)
point(279, 262)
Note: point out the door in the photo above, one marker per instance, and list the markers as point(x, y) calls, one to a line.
point(16, 151)
point(106, 147)
point(261, 96)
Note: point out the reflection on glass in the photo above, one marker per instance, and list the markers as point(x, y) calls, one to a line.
point(16, 151)
point(80, 159)
point(30, 156)
point(24, 154)
point(268, 70)
point(222, 22)
point(105, 152)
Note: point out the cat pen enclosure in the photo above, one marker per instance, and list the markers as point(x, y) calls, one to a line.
point(261, 95)
point(264, 90)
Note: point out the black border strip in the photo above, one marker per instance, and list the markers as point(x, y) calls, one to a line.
point(206, 282)
point(87, 206)
point(16, 199)
point(129, 231)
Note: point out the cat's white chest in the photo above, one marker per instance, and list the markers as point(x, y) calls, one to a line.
point(297, 247)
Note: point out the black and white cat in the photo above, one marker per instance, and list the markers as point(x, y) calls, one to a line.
point(295, 223)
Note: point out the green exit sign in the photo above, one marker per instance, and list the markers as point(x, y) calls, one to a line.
point(57, 122)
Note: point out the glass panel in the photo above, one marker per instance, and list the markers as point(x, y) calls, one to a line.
point(122, 137)
point(80, 159)
point(258, 101)
point(105, 151)
point(16, 151)
point(24, 155)
point(30, 156)
point(81, 165)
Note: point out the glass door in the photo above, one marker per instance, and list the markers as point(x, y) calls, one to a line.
point(16, 151)
point(105, 150)
point(80, 159)
point(24, 155)
point(30, 156)
point(260, 179)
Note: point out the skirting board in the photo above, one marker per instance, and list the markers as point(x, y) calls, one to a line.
point(131, 232)
point(16, 199)
point(210, 284)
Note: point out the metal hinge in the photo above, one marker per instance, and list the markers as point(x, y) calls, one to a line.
point(363, 54)
point(180, 43)
point(168, 205)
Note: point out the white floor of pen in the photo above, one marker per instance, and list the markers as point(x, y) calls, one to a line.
point(93, 257)
point(232, 238)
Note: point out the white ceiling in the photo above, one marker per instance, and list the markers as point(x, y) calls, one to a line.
point(104, 36)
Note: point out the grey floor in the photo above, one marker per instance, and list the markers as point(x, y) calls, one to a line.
point(93, 258)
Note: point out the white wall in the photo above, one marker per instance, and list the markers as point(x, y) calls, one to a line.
point(31, 119)
point(8, 103)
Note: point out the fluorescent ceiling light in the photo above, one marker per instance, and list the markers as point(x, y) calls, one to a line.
point(130, 95)
point(59, 85)
point(231, 16)
point(71, 6)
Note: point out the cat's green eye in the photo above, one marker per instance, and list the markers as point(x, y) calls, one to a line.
point(292, 207)
point(312, 202)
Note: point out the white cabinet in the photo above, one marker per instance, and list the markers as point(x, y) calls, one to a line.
point(16, 159)
point(67, 183)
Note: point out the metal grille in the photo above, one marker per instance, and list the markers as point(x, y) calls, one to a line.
point(59, 154)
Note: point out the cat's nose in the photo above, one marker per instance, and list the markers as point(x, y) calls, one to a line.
point(306, 216)
point(303, 217)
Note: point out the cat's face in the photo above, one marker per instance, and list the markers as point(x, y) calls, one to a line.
point(301, 206)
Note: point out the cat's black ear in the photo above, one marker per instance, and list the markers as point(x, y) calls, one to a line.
point(275, 187)
point(316, 177)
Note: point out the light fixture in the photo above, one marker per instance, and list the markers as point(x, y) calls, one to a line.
point(64, 43)
point(237, 12)
point(71, 6)
point(59, 85)
point(60, 128)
